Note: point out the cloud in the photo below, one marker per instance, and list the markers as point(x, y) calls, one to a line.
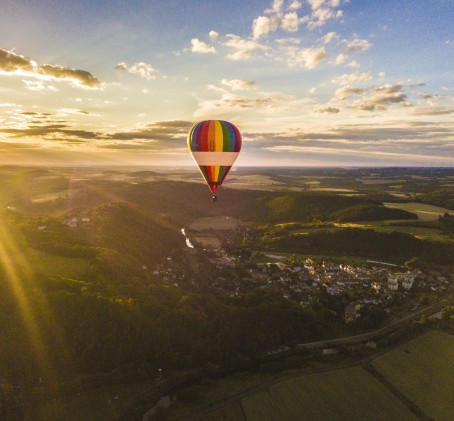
point(307, 58)
point(243, 47)
point(329, 110)
point(341, 58)
point(162, 131)
point(213, 35)
point(294, 5)
point(238, 84)
point(349, 78)
point(434, 111)
point(290, 22)
point(329, 37)
point(355, 46)
point(322, 12)
point(141, 69)
point(382, 97)
point(228, 102)
point(346, 91)
point(48, 131)
point(12, 63)
point(263, 25)
point(201, 47)
point(38, 85)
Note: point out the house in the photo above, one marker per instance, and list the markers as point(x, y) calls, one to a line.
point(392, 284)
point(406, 279)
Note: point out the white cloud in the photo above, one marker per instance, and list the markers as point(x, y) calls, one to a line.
point(290, 22)
point(244, 47)
point(141, 69)
point(341, 58)
point(329, 37)
point(349, 78)
point(320, 17)
point(353, 64)
point(201, 47)
point(315, 4)
point(238, 84)
point(38, 85)
point(306, 57)
point(277, 6)
point(213, 35)
point(294, 5)
point(263, 25)
point(357, 45)
point(346, 91)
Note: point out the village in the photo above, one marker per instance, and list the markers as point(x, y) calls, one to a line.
point(303, 280)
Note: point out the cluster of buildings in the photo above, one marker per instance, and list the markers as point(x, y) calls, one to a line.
point(303, 280)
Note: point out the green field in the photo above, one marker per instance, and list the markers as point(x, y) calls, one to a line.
point(423, 370)
point(334, 395)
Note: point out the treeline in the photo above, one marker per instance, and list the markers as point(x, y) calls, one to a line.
point(394, 247)
point(443, 197)
point(446, 222)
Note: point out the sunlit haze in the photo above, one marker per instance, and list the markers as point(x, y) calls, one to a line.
point(308, 83)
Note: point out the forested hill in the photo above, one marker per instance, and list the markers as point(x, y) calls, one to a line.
point(185, 201)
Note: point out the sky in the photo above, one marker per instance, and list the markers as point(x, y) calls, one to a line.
point(307, 82)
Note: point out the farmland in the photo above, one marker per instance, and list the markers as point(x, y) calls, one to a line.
point(422, 370)
point(350, 393)
point(419, 370)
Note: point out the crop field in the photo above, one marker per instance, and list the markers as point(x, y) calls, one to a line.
point(335, 395)
point(422, 370)
point(425, 212)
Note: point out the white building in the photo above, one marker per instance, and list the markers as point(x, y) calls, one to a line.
point(392, 284)
point(406, 279)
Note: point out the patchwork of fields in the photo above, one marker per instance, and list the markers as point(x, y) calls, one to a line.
point(421, 370)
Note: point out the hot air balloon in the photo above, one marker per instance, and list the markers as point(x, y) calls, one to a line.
point(214, 145)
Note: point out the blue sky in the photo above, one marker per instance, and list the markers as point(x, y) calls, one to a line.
point(308, 82)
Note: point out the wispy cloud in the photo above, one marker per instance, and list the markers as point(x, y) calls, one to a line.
point(15, 64)
point(243, 48)
point(349, 78)
point(141, 69)
point(238, 84)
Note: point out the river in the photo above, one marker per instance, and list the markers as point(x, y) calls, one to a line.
point(188, 241)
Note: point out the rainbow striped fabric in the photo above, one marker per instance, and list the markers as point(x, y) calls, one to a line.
point(214, 145)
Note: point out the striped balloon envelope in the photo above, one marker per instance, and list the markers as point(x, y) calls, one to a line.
point(214, 145)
